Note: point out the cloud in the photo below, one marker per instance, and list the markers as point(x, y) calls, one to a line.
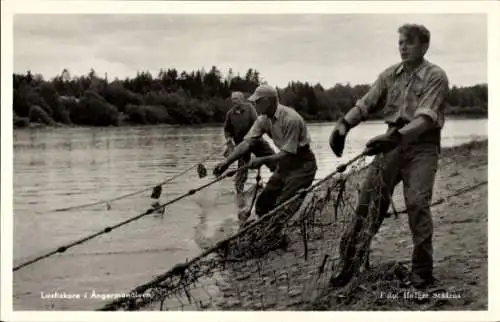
point(317, 48)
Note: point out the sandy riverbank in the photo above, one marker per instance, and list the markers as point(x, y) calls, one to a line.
point(460, 242)
point(296, 278)
point(460, 254)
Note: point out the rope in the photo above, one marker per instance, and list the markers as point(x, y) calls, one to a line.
point(110, 228)
point(441, 200)
point(107, 201)
point(254, 198)
point(179, 269)
point(147, 212)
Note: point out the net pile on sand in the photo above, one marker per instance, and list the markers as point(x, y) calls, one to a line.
point(278, 262)
point(286, 259)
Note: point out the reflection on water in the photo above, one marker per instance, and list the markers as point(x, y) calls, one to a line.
point(55, 168)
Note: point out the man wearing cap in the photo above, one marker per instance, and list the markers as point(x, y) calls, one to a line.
point(239, 120)
point(411, 95)
point(296, 163)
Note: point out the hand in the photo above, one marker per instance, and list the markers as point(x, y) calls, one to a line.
point(384, 143)
point(338, 136)
point(220, 168)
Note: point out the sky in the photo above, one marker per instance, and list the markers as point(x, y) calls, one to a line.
point(325, 49)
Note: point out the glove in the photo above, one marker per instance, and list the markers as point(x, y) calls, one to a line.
point(220, 168)
point(338, 136)
point(384, 143)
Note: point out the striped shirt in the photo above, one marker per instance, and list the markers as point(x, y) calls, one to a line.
point(404, 96)
point(286, 128)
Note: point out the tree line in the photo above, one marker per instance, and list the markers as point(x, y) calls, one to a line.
point(198, 97)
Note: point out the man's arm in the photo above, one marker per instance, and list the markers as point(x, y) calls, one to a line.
point(239, 151)
point(253, 113)
point(430, 110)
point(368, 104)
point(273, 158)
point(228, 128)
point(255, 132)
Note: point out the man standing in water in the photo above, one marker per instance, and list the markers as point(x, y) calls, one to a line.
point(295, 162)
point(412, 94)
point(239, 120)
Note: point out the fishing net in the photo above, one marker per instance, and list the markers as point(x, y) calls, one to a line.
point(278, 262)
point(286, 259)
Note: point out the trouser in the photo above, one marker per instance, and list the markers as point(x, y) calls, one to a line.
point(415, 165)
point(293, 173)
point(260, 148)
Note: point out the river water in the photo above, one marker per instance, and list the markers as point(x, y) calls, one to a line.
point(64, 167)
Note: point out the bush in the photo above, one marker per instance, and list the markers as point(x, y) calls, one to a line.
point(20, 121)
point(66, 103)
point(196, 97)
point(92, 109)
point(53, 101)
point(147, 114)
point(25, 97)
point(176, 106)
point(38, 115)
point(120, 97)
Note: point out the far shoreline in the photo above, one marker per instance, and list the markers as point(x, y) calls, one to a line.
point(33, 126)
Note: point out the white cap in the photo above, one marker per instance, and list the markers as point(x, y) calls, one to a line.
point(263, 91)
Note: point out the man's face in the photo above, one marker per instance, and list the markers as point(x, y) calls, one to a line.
point(411, 49)
point(236, 103)
point(261, 105)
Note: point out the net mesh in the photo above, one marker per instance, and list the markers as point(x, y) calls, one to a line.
point(277, 262)
point(284, 261)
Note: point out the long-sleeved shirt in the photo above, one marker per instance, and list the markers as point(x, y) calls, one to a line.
point(404, 96)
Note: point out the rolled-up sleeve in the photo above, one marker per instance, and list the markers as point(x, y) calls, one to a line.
point(432, 101)
point(369, 102)
point(291, 136)
point(258, 128)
